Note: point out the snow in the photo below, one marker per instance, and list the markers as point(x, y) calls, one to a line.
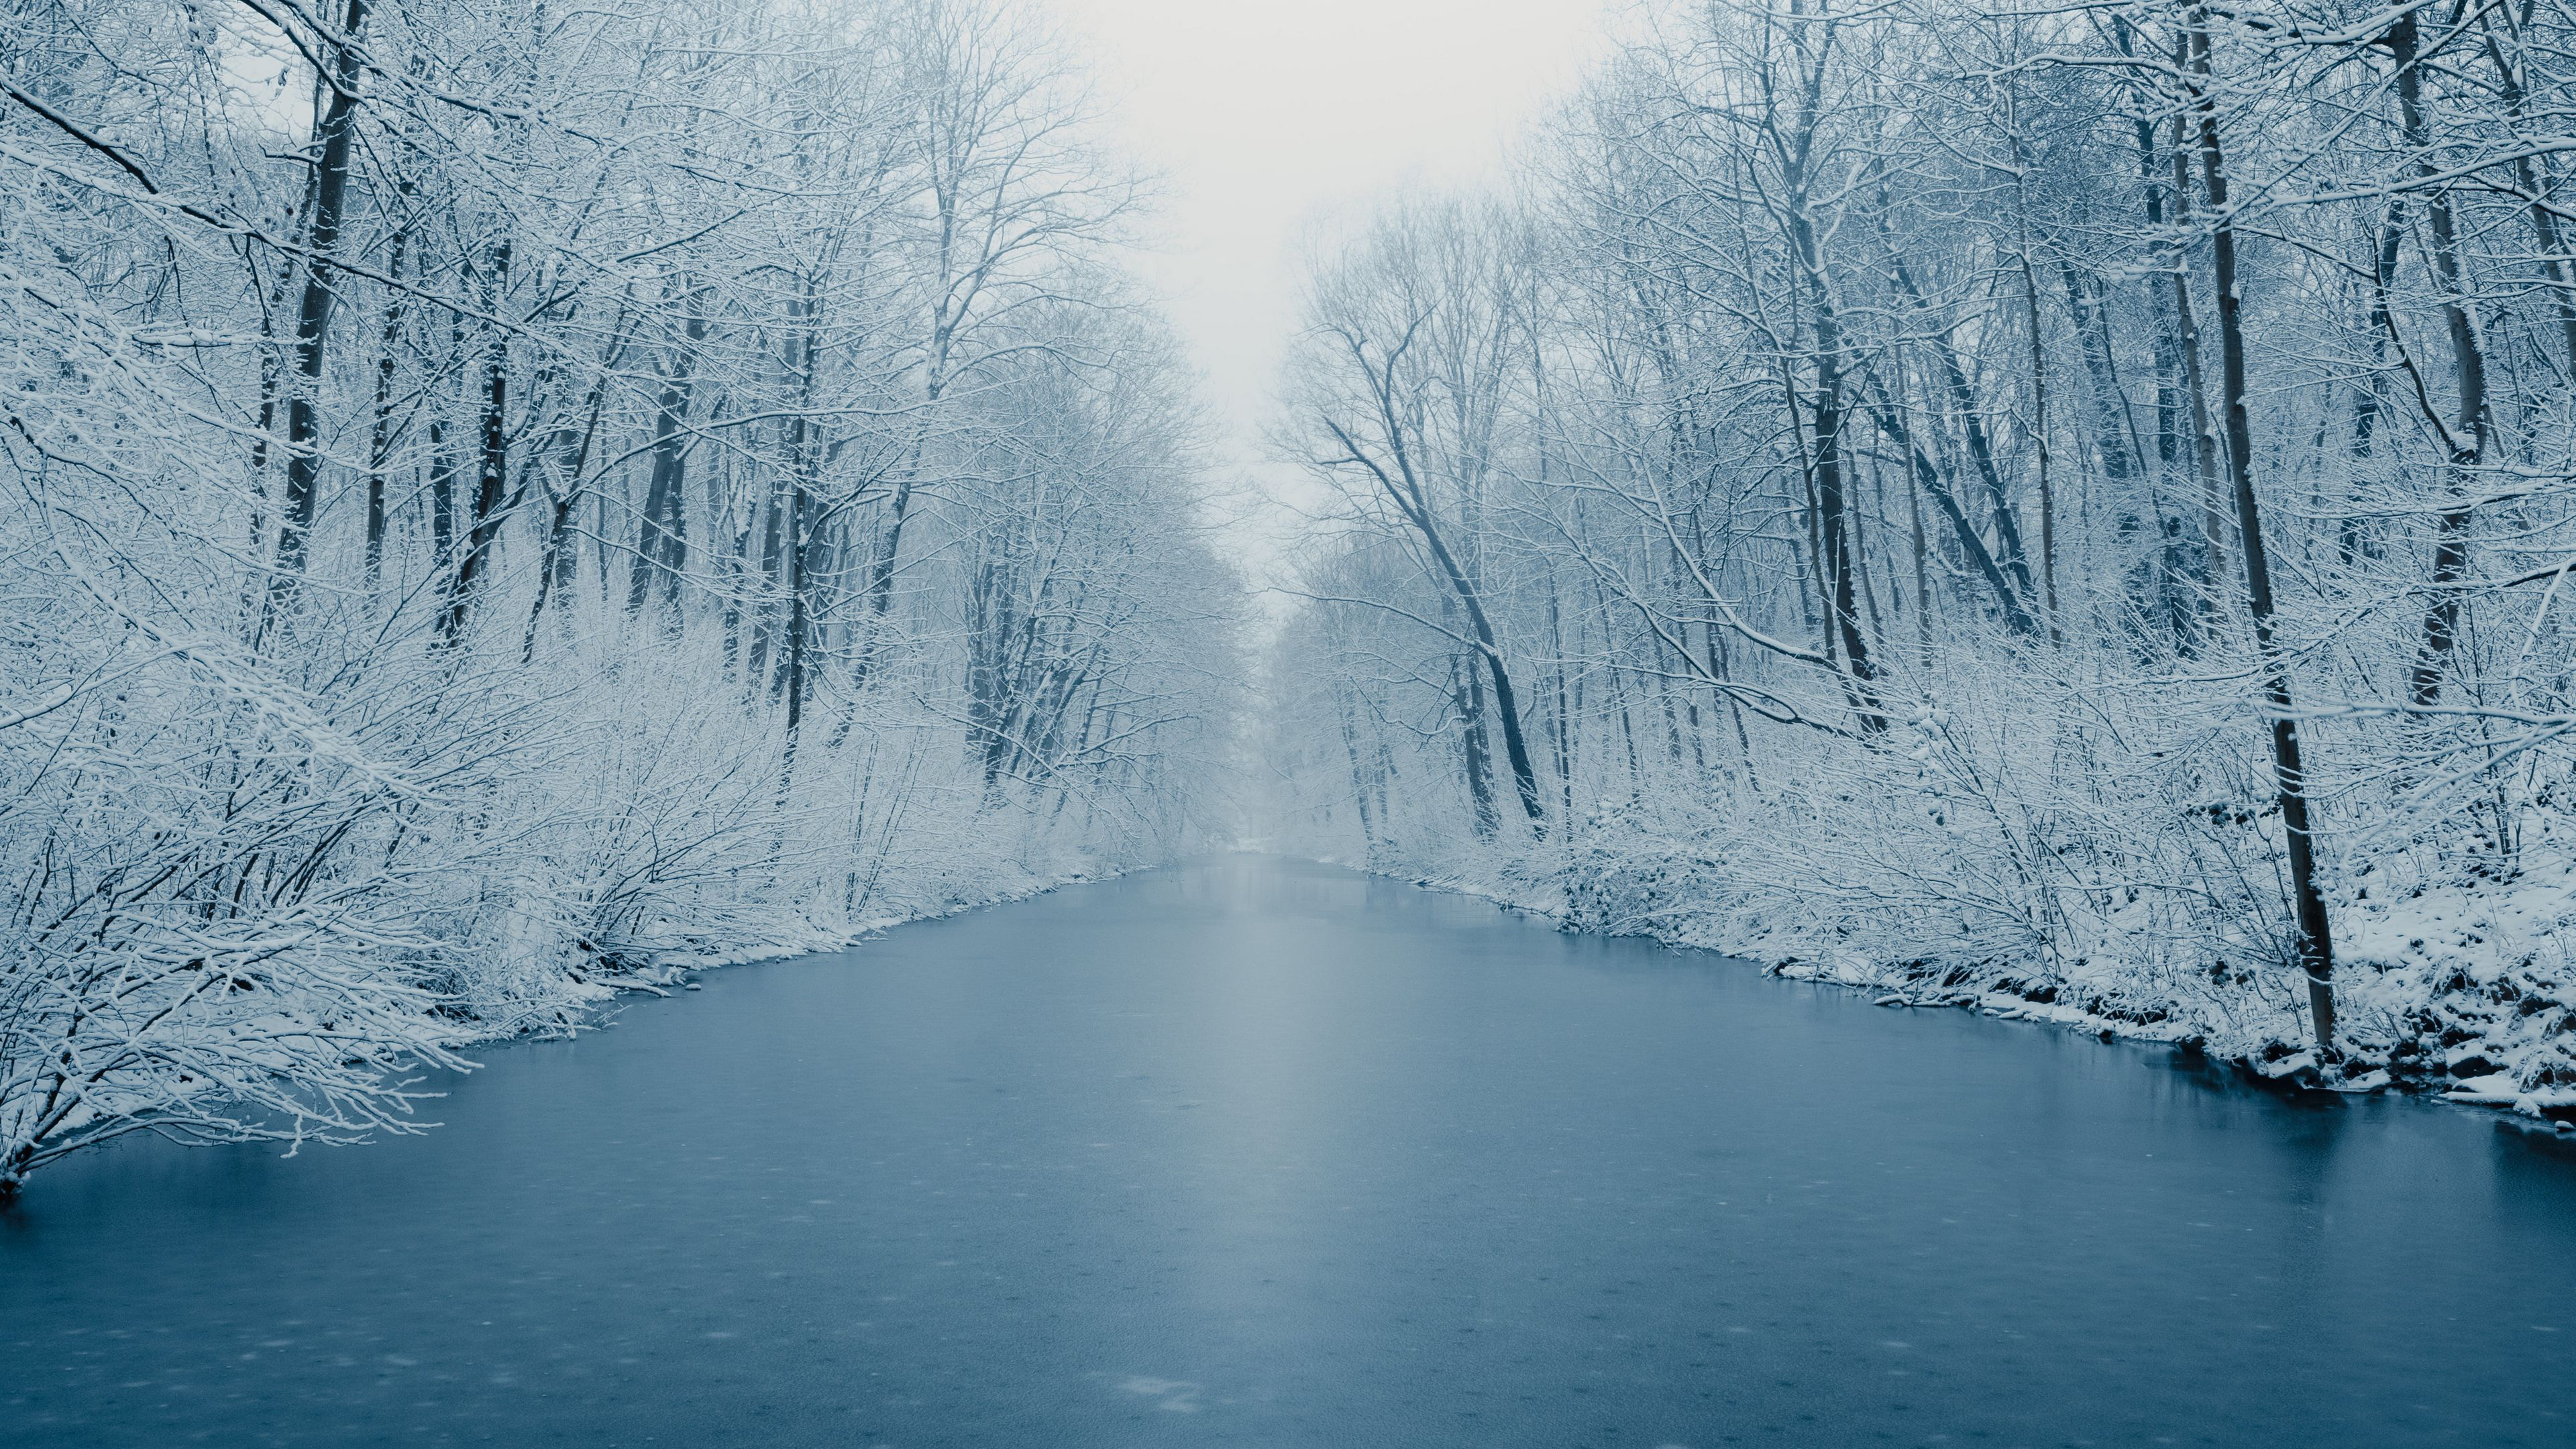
point(2459, 990)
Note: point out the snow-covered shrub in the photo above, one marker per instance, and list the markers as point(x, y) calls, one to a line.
point(476, 545)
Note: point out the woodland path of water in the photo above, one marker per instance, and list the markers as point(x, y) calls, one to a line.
point(1255, 1152)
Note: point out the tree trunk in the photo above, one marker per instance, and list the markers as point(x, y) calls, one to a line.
point(1359, 776)
point(2038, 395)
point(2215, 503)
point(1981, 449)
point(1405, 491)
point(1927, 474)
point(493, 475)
point(662, 544)
point(554, 564)
point(803, 455)
point(1832, 504)
point(2349, 543)
point(313, 313)
point(2466, 436)
point(2316, 939)
point(1467, 695)
point(380, 436)
point(443, 468)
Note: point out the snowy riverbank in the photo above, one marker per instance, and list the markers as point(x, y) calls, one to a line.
point(2459, 987)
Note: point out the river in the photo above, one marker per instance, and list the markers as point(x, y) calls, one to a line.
point(1256, 1152)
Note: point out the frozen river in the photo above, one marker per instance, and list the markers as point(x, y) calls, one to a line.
point(1259, 1153)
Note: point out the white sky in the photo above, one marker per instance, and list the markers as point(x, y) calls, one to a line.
point(1267, 115)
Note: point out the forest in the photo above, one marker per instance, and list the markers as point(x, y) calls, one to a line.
point(503, 498)
point(2065, 511)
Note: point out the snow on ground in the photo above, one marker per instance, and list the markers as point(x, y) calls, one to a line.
point(2460, 987)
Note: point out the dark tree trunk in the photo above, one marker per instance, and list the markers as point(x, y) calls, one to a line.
point(2316, 938)
point(662, 542)
point(1467, 696)
point(380, 436)
point(313, 313)
point(1928, 475)
point(2349, 542)
point(1832, 507)
point(1981, 450)
point(2466, 436)
point(492, 476)
point(554, 565)
point(443, 468)
point(1406, 492)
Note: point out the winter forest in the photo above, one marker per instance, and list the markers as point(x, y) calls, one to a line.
point(610, 483)
point(2063, 509)
point(2066, 509)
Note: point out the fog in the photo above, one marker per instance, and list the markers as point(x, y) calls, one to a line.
point(1269, 123)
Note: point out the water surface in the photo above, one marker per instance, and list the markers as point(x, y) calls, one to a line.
point(1252, 1152)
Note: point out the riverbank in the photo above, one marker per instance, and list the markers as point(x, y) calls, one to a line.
point(2457, 984)
point(684, 953)
point(509, 905)
point(565, 993)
